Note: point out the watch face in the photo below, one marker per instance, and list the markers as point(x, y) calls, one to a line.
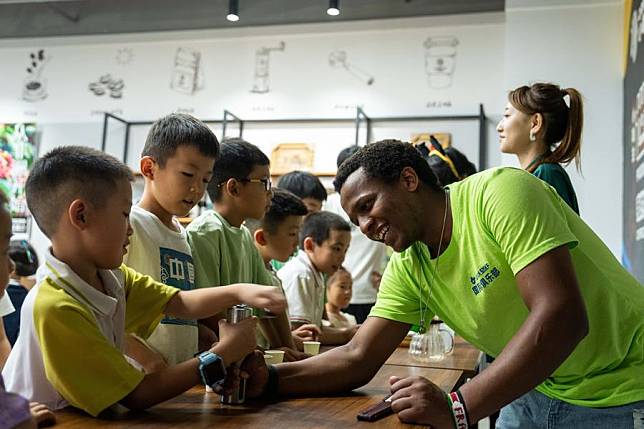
point(214, 371)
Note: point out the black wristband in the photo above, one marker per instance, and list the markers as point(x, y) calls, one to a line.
point(272, 384)
point(460, 398)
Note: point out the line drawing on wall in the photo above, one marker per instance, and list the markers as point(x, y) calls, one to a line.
point(107, 83)
point(187, 73)
point(124, 56)
point(261, 81)
point(338, 59)
point(35, 85)
point(440, 60)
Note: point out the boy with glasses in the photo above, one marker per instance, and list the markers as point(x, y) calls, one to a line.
point(223, 249)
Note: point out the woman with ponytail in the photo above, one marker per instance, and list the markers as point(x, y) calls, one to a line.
point(542, 126)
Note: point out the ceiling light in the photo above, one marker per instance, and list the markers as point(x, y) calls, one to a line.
point(233, 11)
point(334, 8)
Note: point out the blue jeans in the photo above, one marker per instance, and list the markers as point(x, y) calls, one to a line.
point(535, 410)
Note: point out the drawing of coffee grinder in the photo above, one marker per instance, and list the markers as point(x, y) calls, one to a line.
point(187, 76)
point(440, 60)
point(338, 58)
point(262, 71)
point(35, 86)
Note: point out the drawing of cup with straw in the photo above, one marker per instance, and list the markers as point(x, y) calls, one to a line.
point(35, 86)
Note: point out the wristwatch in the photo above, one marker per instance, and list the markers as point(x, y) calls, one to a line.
point(211, 368)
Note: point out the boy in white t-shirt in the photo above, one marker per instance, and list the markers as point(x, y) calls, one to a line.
point(324, 239)
point(176, 162)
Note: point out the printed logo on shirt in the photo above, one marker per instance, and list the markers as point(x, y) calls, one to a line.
point(178, 270)
point(483, 278)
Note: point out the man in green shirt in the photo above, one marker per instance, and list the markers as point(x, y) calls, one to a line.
point(506, 263)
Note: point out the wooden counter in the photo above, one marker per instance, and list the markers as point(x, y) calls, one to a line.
point(196, 409)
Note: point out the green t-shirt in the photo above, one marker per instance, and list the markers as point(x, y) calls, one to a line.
point(504, 219)
point(555, 175)
point(224, 254)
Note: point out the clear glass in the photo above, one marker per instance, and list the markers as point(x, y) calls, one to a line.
point(432, 345)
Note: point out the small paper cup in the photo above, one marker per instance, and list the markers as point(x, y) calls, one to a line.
point(311, 347)
point(277, 356)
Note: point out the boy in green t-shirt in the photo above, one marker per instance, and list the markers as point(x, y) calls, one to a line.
point(223, 249)
point(70, 351)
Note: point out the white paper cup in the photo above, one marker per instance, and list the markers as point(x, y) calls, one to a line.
point(277, 356)
point(311, 347)
point(268, 359)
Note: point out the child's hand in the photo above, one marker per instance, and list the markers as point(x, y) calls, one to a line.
point(307, 332)
point(268, 297)
point(42, 415)
point(236, 340)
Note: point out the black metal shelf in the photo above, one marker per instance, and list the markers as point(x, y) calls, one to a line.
point(360, 119)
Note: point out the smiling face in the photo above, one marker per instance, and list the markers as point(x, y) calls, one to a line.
point(328, 256)
point(514, 130)
point(182, 181)
point(384, 212)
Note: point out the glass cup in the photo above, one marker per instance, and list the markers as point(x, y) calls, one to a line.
point(311, 347)
point(432, 345)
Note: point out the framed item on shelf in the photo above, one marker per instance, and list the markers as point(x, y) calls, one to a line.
point(445, 139)
point(287, 157)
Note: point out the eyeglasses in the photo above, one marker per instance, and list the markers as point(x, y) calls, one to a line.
point(268, 184)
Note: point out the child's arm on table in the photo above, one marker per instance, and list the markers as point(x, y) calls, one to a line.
point(236, 341)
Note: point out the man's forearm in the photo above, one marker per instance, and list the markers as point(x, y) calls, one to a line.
point(336, 370)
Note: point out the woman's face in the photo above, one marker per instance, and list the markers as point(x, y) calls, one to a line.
point(514, 131)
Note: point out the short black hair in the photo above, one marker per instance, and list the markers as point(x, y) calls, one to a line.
point(346, 153)
point(24, 257)
point(283, 205)
point(178, 129)
point(303, 184)
point(66, 173)
point(319, 225)
point(385, 160)
point(237, 158)
point(444, 172)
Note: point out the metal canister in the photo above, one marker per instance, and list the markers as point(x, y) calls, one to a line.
point(236, 314)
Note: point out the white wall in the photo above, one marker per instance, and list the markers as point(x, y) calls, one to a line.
point(571, 42)
point(578, 44)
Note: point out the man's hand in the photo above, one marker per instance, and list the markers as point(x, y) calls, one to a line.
point(42, 415)
point(236, 340)
point(418, 400)
point(268, 297)
point(230, 384)
point(254, 370)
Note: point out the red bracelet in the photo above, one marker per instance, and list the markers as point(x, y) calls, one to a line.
point(458, 410)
